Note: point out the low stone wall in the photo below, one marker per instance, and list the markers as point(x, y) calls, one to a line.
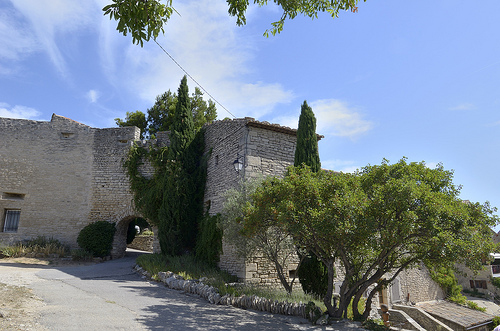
point(401, 321)
point(142, 243)
point(422, 318)
point(212, 295)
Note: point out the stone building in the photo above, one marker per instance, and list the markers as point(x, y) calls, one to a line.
point(58, 176)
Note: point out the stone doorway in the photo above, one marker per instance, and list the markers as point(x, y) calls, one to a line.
point(123, 228)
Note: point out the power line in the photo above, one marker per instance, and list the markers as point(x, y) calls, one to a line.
point(194, 80)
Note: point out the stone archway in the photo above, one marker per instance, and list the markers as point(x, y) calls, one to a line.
point(120, 238)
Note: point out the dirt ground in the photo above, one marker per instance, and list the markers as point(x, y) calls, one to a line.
point(19, 307)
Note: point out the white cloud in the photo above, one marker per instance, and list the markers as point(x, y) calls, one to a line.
point(53, 18)
point(337, 118)
point(206, 42)
point(18, 112)
point(340, 165)
point(333, 117)
point(93, 95)
point(463, 106)
point(432, 165)
point(15, 38)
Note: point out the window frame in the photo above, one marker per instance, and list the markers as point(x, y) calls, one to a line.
point(13, 223)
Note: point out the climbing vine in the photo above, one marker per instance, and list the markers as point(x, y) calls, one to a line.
point(446, 279)
point(172, 199)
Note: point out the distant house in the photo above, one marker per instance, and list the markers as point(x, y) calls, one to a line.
point(482, 281)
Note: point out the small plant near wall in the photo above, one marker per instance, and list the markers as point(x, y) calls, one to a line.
point(36, 247)
point(495, 281)
point(97, 238)
point(447, 280)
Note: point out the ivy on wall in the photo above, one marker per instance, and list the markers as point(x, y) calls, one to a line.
point(172, 199)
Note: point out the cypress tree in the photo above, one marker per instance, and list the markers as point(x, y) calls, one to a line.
point(307, 141)
point(313, 274)
point(182, 130)
point(178, 226)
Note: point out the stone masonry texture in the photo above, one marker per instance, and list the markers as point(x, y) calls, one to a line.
point(62, 175)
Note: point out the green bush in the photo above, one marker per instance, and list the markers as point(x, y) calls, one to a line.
point(496, 322)
point(40, 247)
point(313, 276)
point(495, 281)
point(209, 243)
point(81, 255)
point(375, 325)
point(97, 238)
point(146, 233)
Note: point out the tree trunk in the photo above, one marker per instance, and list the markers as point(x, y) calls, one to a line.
point(282, 278)
point(332, 311)
point(368, 304)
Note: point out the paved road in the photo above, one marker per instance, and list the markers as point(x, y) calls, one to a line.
point(110, 296)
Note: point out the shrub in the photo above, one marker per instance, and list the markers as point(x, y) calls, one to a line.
point(146, 233)
point(209, 243)
point(495, 281)
point(496, 322)
point(40, 246)
point(81, 255)
point(313, 275)
point(375, 325)
point(97, 238)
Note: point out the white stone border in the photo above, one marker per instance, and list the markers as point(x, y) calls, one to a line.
point(212, 295)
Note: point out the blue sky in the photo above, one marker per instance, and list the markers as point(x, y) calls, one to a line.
point(414, 78)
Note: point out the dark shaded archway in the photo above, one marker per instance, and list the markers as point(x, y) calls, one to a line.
point(120, 238)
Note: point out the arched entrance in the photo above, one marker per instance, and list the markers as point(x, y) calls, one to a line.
point(120, 238)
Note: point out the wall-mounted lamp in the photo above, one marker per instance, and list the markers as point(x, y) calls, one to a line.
point(238, 164)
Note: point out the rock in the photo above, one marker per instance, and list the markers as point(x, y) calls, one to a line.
point(323, 320)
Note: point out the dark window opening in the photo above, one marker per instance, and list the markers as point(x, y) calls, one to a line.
point(67, 135)
point(478, 284)
point(11, 220)
point(13, 196)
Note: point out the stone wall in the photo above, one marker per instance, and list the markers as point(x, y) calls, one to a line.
point(142, 243)
point(427, 321)
point(264, 149)
point(418, 286)
point(63, 175)
point(49, 166)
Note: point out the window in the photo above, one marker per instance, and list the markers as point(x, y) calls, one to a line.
point(11, 220)
point(478, 284)
point(13, 196)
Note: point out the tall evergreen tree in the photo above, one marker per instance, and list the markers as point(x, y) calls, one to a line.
point(313, 274)
point(182, 130)
point(307, 140)
point(182, 207)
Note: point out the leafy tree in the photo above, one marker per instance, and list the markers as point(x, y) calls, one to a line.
point(136, 118)
point(272, 242)
point(313, 274)
point(377, 222)
point(307, 140)
point(144, 19)
point(160, 116)
point(173, 198)
point(209, 242)
point(182, 130)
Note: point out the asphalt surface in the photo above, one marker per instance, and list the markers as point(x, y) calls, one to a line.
point(110, 296)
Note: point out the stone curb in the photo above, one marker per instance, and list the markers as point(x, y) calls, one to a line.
point(212, 295)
